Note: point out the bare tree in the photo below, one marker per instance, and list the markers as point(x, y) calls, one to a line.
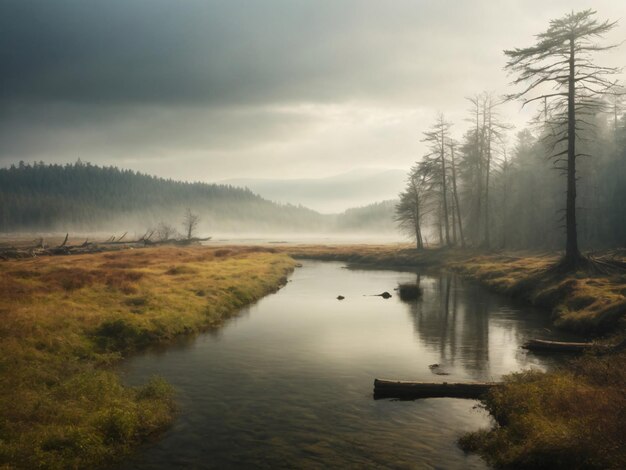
point(455, 193)
point(165, 231)
point(190, 223)
point(560, 71)
point(487, 129)
point(411, 208)
point(438, 138)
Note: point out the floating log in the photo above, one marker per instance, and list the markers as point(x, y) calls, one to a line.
point(540, 345)
point(414, 390)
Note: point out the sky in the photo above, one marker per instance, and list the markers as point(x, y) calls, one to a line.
point(212, 90)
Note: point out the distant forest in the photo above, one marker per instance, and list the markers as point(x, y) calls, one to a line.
point(88, 198)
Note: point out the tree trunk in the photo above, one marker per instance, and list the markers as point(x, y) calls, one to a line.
point(456, 199)
point(479, 177)
point(418, 230)
point(487, 173)
point(453, 221)
point(444, 188)
point(572, 254)
point(440, 226)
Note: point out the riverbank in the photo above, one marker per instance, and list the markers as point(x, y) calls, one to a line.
point(66, 321)
point(571, 418)
point(588, 304)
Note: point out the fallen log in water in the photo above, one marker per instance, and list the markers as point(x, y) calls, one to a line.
point(559, 346)
point(414, 390)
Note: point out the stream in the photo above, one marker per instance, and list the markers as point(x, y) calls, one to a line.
point(288, 382)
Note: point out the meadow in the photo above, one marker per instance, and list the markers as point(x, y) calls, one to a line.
point(67, 321)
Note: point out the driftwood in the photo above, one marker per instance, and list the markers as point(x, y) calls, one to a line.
point(414, 390)
point(540, 345)
point(40, 248)
point(67, 235)
point(177, 241)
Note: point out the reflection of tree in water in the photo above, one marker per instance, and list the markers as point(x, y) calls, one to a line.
point(453, 321)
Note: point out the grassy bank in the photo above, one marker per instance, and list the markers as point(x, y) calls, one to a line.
point(590, 304)
point(572, 418)
point(587, 303)
point(66, 320)
point(383, 256)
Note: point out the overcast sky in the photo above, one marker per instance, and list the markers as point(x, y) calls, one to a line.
point(209, 90)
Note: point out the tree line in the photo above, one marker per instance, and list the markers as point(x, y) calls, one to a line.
point(88, 198)
point(485, 191)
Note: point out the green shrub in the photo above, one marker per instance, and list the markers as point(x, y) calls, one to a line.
point(120, 335)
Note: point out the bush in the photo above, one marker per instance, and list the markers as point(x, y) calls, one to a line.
point(572, 419)
point(118, 426)
point(120, 335)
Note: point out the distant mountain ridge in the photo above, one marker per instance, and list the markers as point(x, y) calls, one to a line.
point(88, 198)
point(332, 194)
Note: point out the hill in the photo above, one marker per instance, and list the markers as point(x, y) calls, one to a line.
point(87, 198)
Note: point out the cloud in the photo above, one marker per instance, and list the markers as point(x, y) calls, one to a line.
point(244, 88)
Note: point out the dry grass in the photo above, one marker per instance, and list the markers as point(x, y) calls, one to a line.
point(65, 320)
point(572, 419)
point(582, 302)
point(388, 256)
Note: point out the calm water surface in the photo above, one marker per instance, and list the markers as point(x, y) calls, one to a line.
point(288, 383)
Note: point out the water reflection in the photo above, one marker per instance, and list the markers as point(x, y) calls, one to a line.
point(289, 383)
point(455, 318)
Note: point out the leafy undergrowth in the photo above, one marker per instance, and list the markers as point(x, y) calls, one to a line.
point(569, 419)
point(581, 301)
point(64, 321)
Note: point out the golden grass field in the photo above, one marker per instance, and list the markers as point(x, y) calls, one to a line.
point(65, 321)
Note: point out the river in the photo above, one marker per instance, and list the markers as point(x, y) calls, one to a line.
point(288, 382)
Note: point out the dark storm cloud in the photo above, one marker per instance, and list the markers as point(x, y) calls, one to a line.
point(215, 52)
point(249, 87)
